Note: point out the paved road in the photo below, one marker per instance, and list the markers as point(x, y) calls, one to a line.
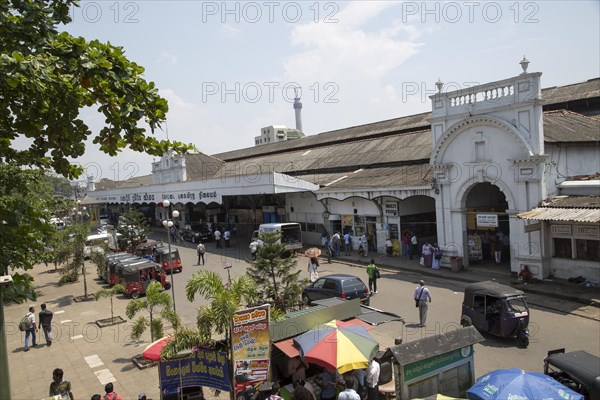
point(92, 357)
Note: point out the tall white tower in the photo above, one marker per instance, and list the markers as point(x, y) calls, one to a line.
point(298, 109)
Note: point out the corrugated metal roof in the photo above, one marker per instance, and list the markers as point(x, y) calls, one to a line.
point(373, 178)
point(572, 202)
point(567, 126)
point(144, 180)
point(562, 214)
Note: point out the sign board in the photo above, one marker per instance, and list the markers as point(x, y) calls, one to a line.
point(428, 365)
point(487, 220)
point(205, 367)
point(560, 229)
point(390, 208)
point(583, 230)
point(251, 346)
point(533, 227)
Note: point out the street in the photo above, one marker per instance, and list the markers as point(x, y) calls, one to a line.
point(549, 329)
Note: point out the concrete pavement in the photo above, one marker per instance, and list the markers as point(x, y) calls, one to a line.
point(91, 357)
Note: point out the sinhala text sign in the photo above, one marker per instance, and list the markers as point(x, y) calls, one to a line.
point(251, 346)
point(204, 367)
point(487, 220)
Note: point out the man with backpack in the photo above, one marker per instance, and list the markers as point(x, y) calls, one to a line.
point(31, 328)
point(46, 324)
point(201, 249)
point(110, 394)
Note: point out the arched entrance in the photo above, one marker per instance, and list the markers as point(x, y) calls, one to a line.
point(488, 227)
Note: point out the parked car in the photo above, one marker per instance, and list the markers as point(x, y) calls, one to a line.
point(336, 285)
point(196, 233)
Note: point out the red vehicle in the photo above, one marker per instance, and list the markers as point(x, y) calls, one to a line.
point(148, 248)
point(109, 273)
point(164, 258)
point(136, 277)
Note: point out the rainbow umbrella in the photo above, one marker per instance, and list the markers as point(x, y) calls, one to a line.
point(335, 345)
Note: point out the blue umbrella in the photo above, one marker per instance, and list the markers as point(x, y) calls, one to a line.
point(516, 384)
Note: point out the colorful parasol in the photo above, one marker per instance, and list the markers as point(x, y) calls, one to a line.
point(336, 345)
point(312, 252)
point(152, 351)
point(440, 397)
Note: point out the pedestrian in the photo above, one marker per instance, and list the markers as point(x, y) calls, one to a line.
point(437, 256)
point(142, 396)
point(329, 379)
point(328, 250)
point(359, 378)
point(110, 394)
point(372, 272)
point(406, 244)
point(46, 323)
point(60, 386)
point(174, 233)
point(499, 246)
point(31, 328)
point(201, 249)
point(336, 240)
point(226, 237)
point(372, 380)
point(349, 393)
point(313, 265)
point(96, 397)
point(275, 392)
point(253, 249)
point(324, 240)
point(389, 247)
point(347, 244)
point(364, 244)
point(413, 246)
point(422, 298)
point(217, 236)
point(427, 254)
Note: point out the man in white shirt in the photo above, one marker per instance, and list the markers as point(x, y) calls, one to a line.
point(372, 380)
point(365, 244)
point(414, 249)
point(226, 237)
point(217, 236)
point(349, 393)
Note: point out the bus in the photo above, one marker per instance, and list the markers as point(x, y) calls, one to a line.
point(291, 234)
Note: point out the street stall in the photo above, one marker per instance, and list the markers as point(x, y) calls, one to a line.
point(443, 363)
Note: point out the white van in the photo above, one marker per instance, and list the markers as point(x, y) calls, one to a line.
point(95, 244)
point(291, 234)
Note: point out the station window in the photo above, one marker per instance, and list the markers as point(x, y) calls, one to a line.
point(562, 248)
point(588, 249)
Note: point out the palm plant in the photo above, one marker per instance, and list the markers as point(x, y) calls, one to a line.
point(158, 305)
point(224, 301)
point(110, 293)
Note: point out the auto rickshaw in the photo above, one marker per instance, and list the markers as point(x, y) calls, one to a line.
point(136, 277)
point(107, 271)
point(164, 258)
point(577, 370)
point(496, 309)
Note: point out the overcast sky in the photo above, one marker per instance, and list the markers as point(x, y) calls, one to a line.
point(229, 68)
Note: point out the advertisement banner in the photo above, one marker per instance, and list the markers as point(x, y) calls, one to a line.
point(251, 347)
point(208, 368)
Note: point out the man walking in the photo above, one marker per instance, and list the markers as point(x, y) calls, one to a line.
point(364, 244)
point(226, 237)
point(201, 249)
point(59, 386)
point(110, 393)
point(336, 240)
point(31, 328)
point(349, 393)
point(46, 324)
point(253, 249)
point(422, 299)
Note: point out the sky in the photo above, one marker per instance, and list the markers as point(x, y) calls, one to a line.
point(228, 69)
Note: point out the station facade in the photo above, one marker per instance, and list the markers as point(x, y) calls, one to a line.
point(476, 166)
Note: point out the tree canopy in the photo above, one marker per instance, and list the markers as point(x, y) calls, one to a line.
point(47, 77)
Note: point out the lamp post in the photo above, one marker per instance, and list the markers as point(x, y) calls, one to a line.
point(5, 280)
point(168, 224)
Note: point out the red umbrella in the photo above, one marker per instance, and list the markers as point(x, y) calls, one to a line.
point(152, 351)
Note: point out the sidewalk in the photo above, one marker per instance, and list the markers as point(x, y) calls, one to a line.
point(554, 288)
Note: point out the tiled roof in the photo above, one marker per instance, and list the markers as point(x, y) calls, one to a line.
point(566, 126)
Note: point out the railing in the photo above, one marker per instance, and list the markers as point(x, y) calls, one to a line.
point(483, 95)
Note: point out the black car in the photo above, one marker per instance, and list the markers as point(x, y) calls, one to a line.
point(336, 285)
point(196, 233)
